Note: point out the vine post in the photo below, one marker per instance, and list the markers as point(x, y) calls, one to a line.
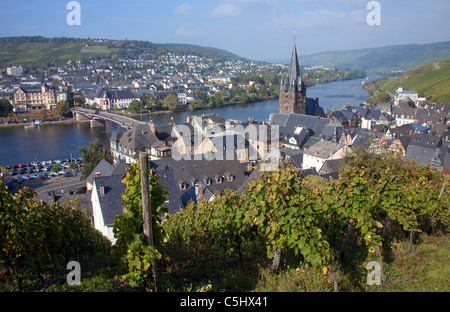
point(146, 209)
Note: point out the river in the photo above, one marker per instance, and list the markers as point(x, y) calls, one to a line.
point(50, 142)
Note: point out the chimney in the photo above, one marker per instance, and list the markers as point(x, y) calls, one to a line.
point(98, 174)
point(102, 190)
point(152, 127)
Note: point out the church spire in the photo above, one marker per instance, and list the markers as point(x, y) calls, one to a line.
point(293, 80)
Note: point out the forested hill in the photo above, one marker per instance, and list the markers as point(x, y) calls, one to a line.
point(382, 59)
point(40, 50)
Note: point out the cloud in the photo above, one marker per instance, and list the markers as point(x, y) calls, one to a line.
point(226, 9)
point(183, 9)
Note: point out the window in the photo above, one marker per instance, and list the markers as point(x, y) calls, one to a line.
point(220, 179)
point(208, 181)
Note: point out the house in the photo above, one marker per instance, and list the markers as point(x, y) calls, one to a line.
point(316, 155)
point(425, 156)
point(27, 98)
point(377, 118)
point(156, 141)
point(404, 114)
point(191, 180)
point(104, 169)
point(331, 168)
point(114, 98)
point(106, 199)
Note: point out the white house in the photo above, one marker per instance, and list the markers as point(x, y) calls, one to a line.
point(316, 155)
point(106, 199)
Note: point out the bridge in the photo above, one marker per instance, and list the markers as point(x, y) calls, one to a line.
point(97, 118)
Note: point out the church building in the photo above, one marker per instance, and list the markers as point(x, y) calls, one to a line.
point(293, 92)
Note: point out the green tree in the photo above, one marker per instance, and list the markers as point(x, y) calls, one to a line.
point(69, 96)
point(62, 108)
point(92, 156)
point(135, 106)
point(5, 108)
point(171, 102)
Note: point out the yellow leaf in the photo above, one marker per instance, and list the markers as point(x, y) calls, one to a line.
point(325, 270)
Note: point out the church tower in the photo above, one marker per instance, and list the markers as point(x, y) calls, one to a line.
point(293, 89)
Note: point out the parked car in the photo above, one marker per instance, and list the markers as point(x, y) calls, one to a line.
point(43, 176)
point(53, 174)
point(33, 176)
point(25, 178)
point(61, 172)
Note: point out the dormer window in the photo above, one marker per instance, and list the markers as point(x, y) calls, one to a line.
point(208, 181)
point(184, 186)
point(220, 179)
point(230, 178)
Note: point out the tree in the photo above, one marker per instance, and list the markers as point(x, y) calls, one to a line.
point(171, 102)
point(62, 108)
point(5, 108)
point(69, 96)
point(92, 156)
point(135, 106)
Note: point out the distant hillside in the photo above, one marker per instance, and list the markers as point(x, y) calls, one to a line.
point(208, 52)
point(383, 59)
point(431, 81)
point(41, 51)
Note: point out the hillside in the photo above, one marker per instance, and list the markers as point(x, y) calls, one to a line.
point(382, 59)
point(40, 51)
point(431, 81)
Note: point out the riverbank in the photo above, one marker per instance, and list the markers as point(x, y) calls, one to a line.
point(45, 123)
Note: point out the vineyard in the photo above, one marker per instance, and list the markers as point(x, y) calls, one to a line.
point(285, 232)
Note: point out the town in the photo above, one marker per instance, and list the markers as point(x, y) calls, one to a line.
point(215, 154)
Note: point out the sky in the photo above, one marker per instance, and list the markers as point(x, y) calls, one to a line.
point(262, 30)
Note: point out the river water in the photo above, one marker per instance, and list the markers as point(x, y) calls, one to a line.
point(20, 146)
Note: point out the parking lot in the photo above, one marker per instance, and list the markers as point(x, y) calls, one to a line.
point(69, 182)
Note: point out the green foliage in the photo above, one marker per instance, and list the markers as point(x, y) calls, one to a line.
point(171, 102)
point(334, 225)
point(35, 235)
point(136, 256)
point(92, 156)
point(62, 108)
point(135, 106)
point(5, 108)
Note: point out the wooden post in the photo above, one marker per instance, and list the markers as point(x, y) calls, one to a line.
point(145, 191)
point(146, 206)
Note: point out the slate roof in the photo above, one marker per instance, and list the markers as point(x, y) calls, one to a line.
point(293, 80)
point(291, 121)
point(111, 201)
point(138, 138)
point(324, 149)
point(424, 156)
point(191, 172)
point(425, 140)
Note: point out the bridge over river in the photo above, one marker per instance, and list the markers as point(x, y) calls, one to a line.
point(97, 118)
